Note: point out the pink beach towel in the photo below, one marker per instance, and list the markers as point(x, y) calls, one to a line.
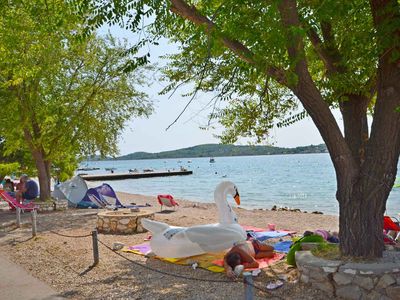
point(263, 262)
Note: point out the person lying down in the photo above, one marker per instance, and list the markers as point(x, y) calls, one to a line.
point(245, 254)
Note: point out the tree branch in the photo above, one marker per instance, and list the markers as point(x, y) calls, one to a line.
point(308, 94)
point(190, 13)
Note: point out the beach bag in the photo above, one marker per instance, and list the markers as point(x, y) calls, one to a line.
point(314, 238)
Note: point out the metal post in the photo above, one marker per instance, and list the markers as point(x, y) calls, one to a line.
point(248, 286)
point(95, 248)
point(33, 217)
point(18, 217)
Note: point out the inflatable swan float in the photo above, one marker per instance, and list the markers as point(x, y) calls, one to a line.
point(176, 242)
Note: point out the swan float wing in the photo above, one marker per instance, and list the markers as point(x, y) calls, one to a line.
point(154, 226)
point(215, 237)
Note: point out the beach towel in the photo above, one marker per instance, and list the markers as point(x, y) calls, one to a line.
point(265, 235)
point(263, 262)
point(213, 262)
point(283, 247)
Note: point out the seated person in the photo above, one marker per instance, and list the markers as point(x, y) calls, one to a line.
point(8, 185)
point(245, 254)
point(29, 189)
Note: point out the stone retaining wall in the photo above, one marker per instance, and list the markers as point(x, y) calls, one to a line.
point(51, 205)
point(375, 280)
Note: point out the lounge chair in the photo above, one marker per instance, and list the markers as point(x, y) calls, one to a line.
point(167, 200)
point(391, 226)
point(15, 204)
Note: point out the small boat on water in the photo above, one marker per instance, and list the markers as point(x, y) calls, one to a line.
point(110, 169)
point(189, 161)
point(88, 169)
point(212, 160)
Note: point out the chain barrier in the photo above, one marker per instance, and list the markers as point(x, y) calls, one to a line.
point(71, 236)
point(187, 277)
point(156, 270)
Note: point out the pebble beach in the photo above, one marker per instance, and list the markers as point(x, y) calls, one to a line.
point(61, 255)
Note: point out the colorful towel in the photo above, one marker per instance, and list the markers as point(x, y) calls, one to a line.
point(263, 262)
point(283, 246)
point(265, 235)
point(213, 262)
point(204, 261)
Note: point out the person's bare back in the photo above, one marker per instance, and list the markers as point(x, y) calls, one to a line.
point(245, 254)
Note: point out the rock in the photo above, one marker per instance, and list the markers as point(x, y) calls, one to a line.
point(349, 292)
point(304, 278)
point(118, 246)
point(393, 292)
point(364, 282)
point(342, 279)
point(325, 286)
point(385, 281)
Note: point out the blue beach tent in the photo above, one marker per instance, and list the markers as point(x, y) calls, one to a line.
point(100, 197)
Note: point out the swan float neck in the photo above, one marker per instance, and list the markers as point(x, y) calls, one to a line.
point(225, 212)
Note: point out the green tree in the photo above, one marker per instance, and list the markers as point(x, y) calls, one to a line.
point(63, 94)
point(263, 57)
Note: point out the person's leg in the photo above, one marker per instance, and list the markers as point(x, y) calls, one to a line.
point(262, 250)
point(18, 196)
point(264, 254)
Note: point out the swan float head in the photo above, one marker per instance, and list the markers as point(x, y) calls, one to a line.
point(225, 211)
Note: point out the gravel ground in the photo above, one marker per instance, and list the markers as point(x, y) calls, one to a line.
point(65, 262)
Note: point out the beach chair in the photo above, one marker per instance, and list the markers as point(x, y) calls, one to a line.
point(15, 204)
point(390, 226)
point(167, 200)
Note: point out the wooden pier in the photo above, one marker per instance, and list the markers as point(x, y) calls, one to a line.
point(134, 175)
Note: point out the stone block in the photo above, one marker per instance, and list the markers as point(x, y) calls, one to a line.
point(124, 221)
point(306, 258)
point(330, 269)
point(319, 276)
point(342, 279)
point(304, 278)
point(349, 292)
point(364, 282)
point(393, 292)
point(385, 281)
point(373, 295)
point(371, 268)
point(325, 286)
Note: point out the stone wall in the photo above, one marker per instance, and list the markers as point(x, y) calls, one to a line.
point(122, 221)
point(375, 280)
point(51, 205)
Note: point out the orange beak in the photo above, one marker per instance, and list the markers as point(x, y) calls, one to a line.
point(237, 198)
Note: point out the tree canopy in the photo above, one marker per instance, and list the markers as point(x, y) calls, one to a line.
point(263, 58)
point(63, 93)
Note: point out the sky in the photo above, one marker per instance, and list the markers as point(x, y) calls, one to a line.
point(150, 135)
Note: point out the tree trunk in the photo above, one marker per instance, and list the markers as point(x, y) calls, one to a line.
point(43, 167)
point(361, 210)
point(354, 112)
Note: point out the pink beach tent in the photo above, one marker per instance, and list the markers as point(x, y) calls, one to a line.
point(167, 200)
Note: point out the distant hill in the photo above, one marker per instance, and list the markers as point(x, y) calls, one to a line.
point(215, 150)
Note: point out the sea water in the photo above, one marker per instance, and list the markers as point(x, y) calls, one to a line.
point(304, 181)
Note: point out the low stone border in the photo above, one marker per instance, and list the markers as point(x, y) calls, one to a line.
point(51, 205)
point(122, 221)
point(375, 280)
